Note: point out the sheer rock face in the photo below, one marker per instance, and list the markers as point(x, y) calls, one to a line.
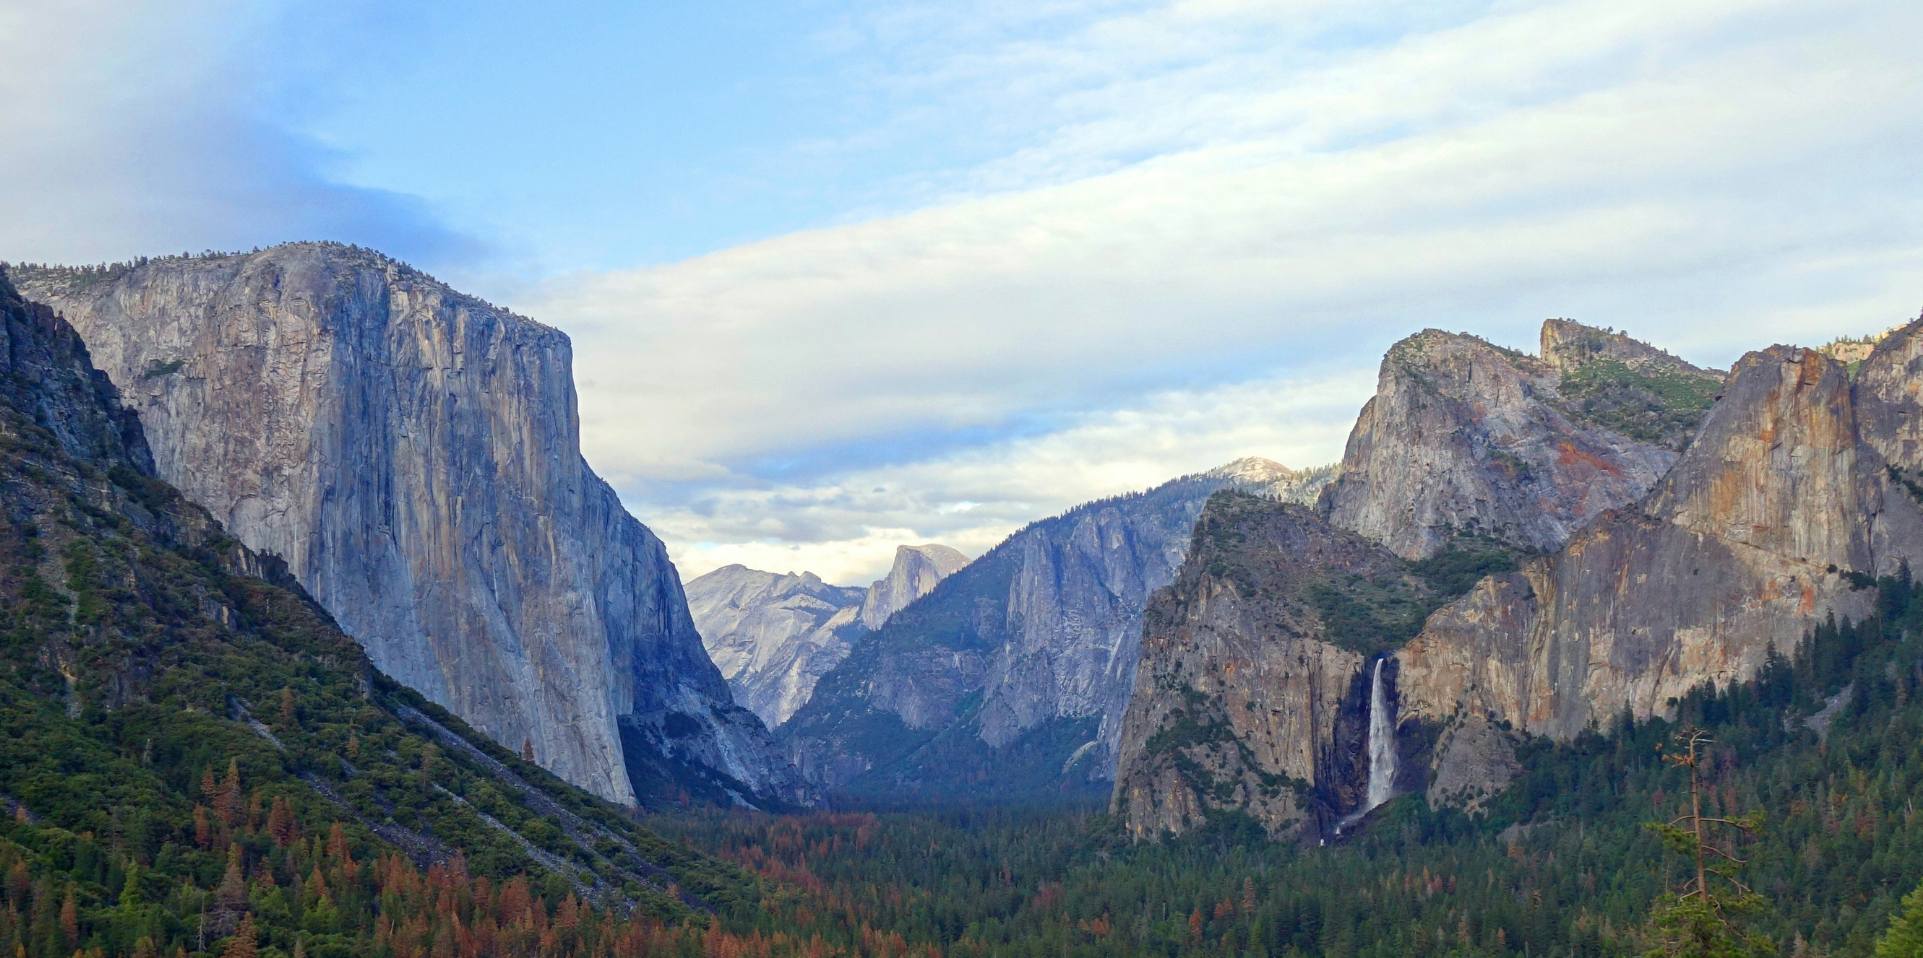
point(1025, 658)
point(1245, 700)
point(47, 376)
point(1465, 437)
point(413, 455)
point(773, 636)
point(1762, 526)
point(916, 572)
point(1747, 543)
point(1891, 379)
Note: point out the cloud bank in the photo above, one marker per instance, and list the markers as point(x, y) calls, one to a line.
point(1260, 193)
point(1082, 245)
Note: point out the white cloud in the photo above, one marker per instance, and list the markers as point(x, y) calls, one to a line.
point(1124, 204)
point(1509, 168)
point(845, 527)
point(130, 125)
point(1192, 191)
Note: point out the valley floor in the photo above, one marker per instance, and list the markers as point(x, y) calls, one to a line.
point(1828, 747)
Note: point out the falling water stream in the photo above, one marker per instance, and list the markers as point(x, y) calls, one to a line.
point(1382, 752)
point(1382, 744)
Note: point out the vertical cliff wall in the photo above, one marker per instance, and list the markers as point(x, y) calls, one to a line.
point(1250, 696)
point(413, 454)
point(1466, 438)
point(1767, 525)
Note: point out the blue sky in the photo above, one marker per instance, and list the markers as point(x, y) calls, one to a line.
point(846, 275)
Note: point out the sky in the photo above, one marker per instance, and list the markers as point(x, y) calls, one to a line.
point(841, 276)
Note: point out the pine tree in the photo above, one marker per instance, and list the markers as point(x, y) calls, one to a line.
point(1705, 919)
point(246, 941)
point(227, 798)
point(70, 919)
point(1905, 937)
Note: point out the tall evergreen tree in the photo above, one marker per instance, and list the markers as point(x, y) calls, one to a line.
point(1905, 937)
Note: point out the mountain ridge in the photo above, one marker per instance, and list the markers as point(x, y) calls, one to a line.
point(774, 635)
point(1767, 518)
point(1009, 678)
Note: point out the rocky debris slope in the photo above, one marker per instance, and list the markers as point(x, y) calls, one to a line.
point(1011, 677)
point(773, 636)
point(1467, 438)
point(413, 455)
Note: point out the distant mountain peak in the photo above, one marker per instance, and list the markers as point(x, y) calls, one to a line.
point(1253, 468)
point(1267, 477)
point(773, 635)
point(916, 572)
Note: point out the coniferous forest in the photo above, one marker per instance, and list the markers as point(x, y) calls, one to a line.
point(191, 841)
point(961, 479)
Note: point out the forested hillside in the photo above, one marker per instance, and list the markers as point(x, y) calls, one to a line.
point(197, 761)
point(1828, 747)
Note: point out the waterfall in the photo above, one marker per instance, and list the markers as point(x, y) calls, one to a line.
point(1382, 752)
point(1382, 743)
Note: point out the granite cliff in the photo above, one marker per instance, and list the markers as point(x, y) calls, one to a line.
point(1467, 438)
point(412, 454)
point(1598, 529)
point(144, 646)
point(1782, 508)
point(1010, 678)
point(915, 573)
point(1249, 691)
point(1581, 535)
point(774, 635)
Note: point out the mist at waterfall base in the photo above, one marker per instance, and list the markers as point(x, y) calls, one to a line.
point(1382, 751)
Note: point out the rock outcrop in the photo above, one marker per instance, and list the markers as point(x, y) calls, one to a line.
point(1467, 438)
point(1248, 698)
point(132, 618)
point(1790, 494)
point(1767, 525)
point(915, 573)
point(1011, 677)
point(773, 636)
point(412, 454)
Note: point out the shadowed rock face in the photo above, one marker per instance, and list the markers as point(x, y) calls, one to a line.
point(1466, 437)
point(1012, 675)
point(1746, 544)
point(774, 636)
point(413, 454)
point(1245, 678)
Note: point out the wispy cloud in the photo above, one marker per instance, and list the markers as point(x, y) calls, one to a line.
point(846, 524)
point(1194, 191)
point(130, 126)
point(1076, 221)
